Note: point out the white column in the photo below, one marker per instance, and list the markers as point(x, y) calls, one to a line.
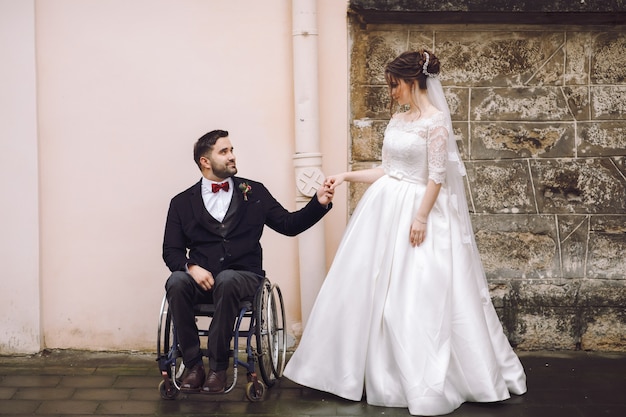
point(308, 159)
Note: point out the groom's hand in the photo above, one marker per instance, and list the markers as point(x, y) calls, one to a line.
point(325, 194)
point(202, 277)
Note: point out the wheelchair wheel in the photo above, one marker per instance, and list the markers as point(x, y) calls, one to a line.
point(270, 332)
point(165, 332)
point(168, 355)
point(168, 394)
point(279, 335)
point(255, 391)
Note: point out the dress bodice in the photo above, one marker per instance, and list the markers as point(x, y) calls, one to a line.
point(416, 151)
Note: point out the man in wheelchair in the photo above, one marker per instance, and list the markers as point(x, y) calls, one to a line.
point(212, 247)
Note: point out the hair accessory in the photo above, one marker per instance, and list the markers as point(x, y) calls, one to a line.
point(425, 66)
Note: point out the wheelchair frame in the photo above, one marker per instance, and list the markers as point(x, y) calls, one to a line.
point(266, 343)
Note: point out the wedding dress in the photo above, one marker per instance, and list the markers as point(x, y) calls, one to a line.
point(408, 326)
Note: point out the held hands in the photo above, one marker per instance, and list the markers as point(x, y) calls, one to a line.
point(334, 180)
point(202, 277)
point(325, 194)
point(418, 232)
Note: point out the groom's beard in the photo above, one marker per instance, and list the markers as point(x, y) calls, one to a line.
point(224, 171)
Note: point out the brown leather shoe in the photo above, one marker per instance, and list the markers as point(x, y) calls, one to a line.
point(193, 378)
point(215, 382)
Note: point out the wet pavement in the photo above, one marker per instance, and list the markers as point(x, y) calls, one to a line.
point(60, 383)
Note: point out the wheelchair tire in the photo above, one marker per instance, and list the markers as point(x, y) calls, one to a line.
point(280, 335)
point(270, 332)
point(169, 357)
point(255, 391)
point(168, 395)
point(163, 341)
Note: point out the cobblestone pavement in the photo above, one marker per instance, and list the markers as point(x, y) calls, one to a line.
point(59, 383)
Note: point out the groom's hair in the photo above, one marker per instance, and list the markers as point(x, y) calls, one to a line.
point(205, 144)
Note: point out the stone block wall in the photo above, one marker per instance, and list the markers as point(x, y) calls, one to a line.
point(540, 118)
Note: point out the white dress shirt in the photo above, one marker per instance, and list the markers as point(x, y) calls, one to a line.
point(216, 203)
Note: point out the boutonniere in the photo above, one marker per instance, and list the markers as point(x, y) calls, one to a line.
point(245, 189)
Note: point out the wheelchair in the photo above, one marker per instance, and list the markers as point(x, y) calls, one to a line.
point(266, 343)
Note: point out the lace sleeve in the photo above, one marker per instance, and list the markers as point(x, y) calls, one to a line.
point(437, 152)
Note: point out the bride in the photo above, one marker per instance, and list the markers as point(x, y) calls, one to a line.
point(404, 316)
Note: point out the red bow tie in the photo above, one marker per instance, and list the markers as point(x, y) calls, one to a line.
point(223, 186)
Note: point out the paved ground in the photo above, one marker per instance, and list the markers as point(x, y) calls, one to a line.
point(59, 383)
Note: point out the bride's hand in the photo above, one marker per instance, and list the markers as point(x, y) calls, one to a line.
point(417, 233)
point(333, 181)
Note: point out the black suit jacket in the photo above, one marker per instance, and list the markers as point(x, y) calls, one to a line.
point(193, 236)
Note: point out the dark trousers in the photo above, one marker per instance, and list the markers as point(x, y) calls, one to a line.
point(229, 289)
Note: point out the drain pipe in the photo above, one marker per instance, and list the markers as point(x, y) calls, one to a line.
point(308, 158)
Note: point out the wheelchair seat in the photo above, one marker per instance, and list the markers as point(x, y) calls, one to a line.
point(207, 310)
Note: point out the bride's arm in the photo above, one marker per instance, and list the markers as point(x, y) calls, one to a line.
point(364, 175)
point(437, 157)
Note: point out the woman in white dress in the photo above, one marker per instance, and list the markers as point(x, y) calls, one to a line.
point(404, 316)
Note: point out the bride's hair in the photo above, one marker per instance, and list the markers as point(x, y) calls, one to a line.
point(409, 67)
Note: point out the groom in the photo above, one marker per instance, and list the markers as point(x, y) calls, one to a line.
point(212, 246)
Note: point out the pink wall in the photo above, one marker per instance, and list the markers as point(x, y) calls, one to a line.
point(124, 88)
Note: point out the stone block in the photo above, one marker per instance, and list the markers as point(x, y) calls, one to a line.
point(367, 139)
point(603, 318)
point(517, 246)
point(578, 48)
point(605, 331)
point(522, 140)
point(591, 185)
point(608, 61)
point(420, 39)
point(602, 293)
point(376, 49)
point(575, 314)
point(547, 328)
point(602, 138)
point(458, 102)
point(522, 103)
point(536, 294)
point(608, 102)
point(578, 101)
point(541, 314)
point(371, 103)
point(500, 58)
point(607, 246)
point(500, 187)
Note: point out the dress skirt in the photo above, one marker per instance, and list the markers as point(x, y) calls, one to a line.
point(406, 326)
